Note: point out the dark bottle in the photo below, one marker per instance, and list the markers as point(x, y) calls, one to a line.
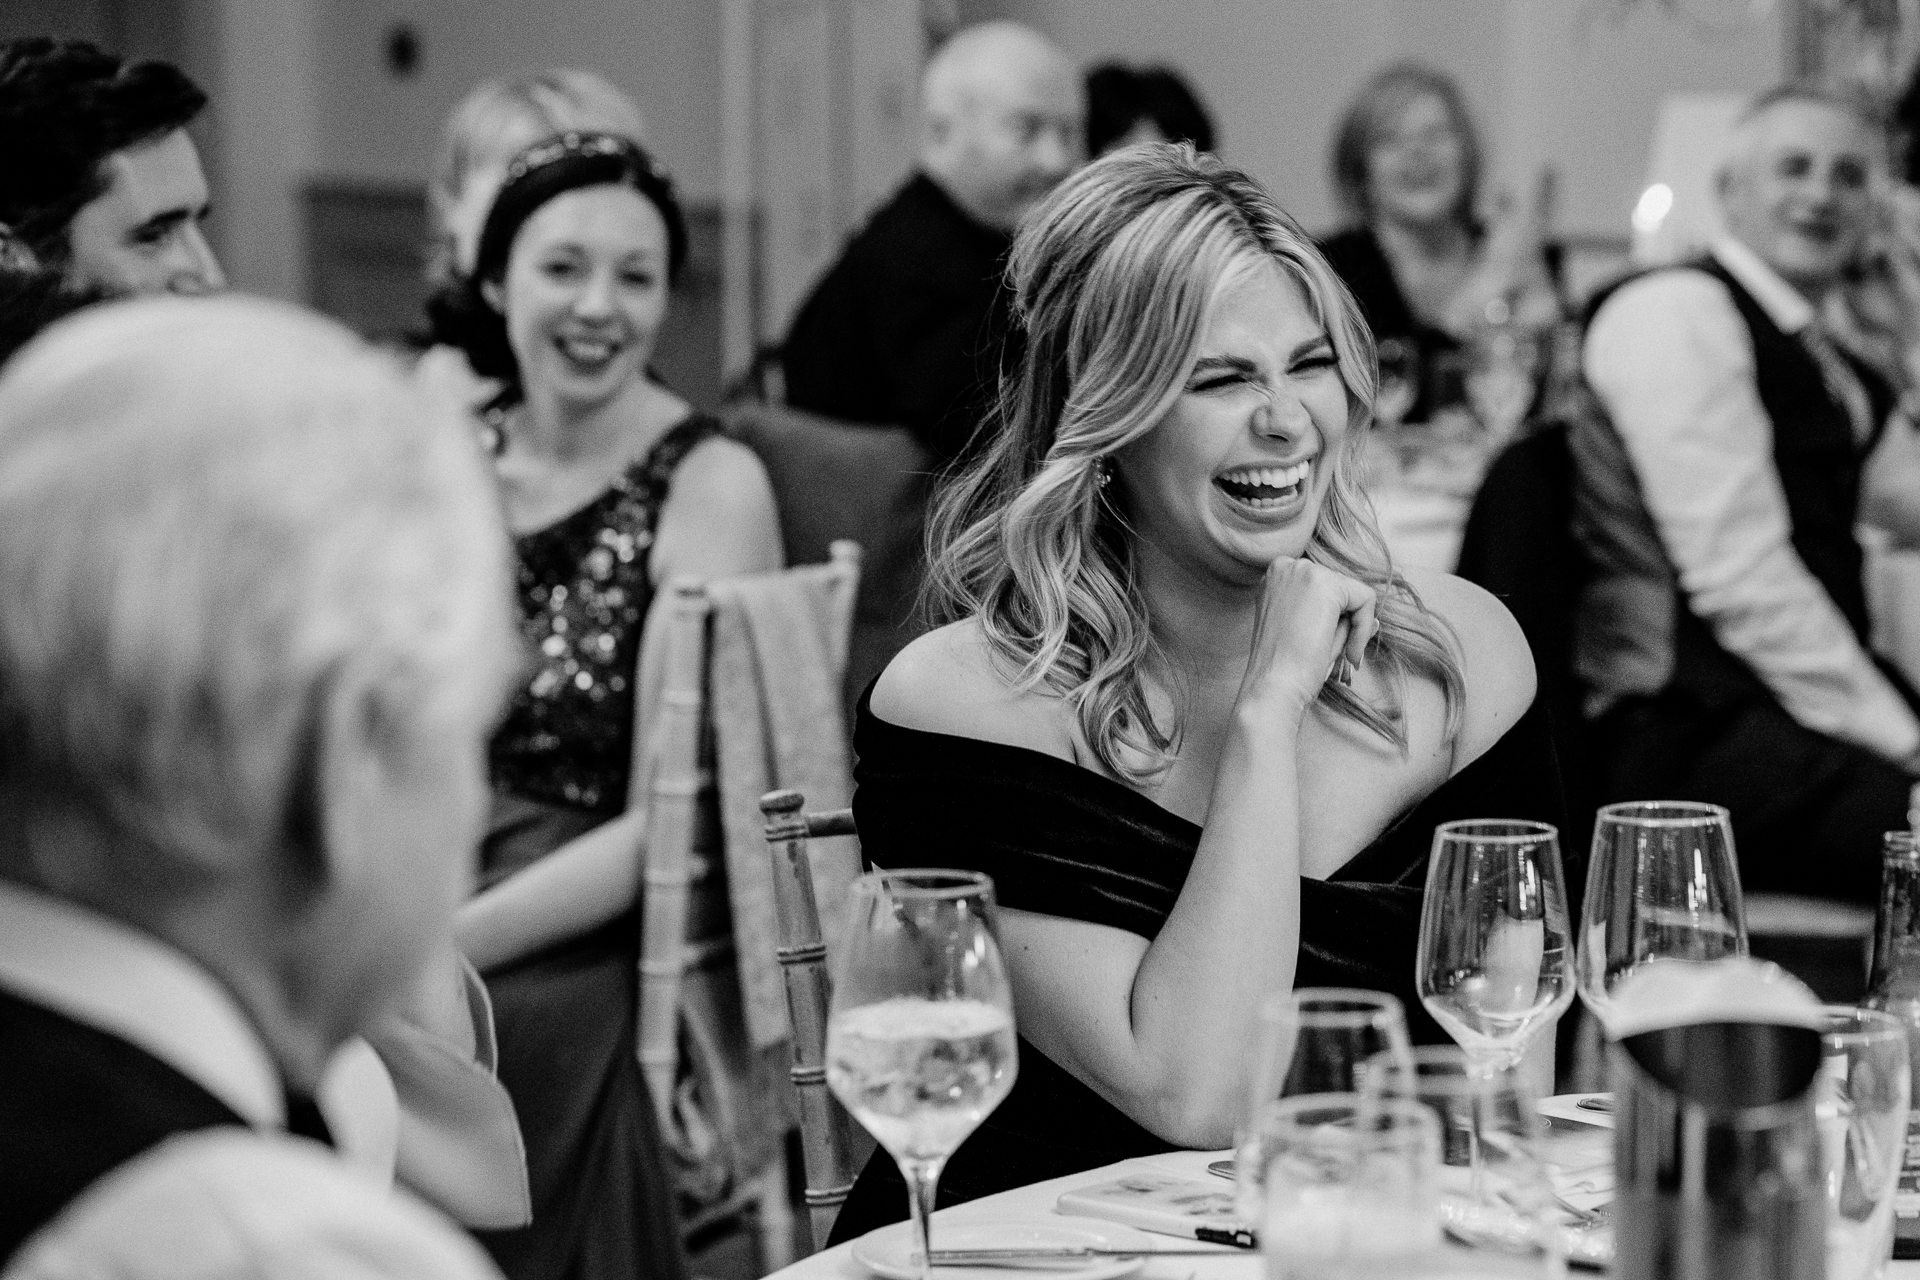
point(1895, 987)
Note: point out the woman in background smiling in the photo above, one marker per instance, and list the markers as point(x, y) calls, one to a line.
point(1407, 168)
point(612, 484)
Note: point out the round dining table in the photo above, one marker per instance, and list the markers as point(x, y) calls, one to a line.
point(1223, 1262)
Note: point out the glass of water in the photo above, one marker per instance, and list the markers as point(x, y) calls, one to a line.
point(1314, 1040)
point(1862, 1109)
point(1494, 1189)
point(920, 1042)
point(1350, 1187)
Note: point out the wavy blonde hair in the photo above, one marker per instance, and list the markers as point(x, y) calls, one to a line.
point(1114, 277)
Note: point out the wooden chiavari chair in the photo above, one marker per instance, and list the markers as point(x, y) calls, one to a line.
point(834, 1147)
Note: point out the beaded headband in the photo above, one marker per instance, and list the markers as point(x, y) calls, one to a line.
point(579, 145)
point(569, 160)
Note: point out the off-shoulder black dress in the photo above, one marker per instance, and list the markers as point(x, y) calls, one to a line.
point(1065, 841)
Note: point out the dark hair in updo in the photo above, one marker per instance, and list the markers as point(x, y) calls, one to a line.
point(458, 313)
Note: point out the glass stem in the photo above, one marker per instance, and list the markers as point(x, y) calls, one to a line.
point(923, 1177)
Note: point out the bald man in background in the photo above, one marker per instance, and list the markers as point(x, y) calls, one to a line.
point(905, 329)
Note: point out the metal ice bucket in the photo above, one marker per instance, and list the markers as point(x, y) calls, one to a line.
point(1717, 1160)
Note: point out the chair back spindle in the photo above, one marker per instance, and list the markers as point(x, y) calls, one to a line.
point(672, 822)
point(827, 1133)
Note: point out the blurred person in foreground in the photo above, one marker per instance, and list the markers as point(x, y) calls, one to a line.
point(612, 485)
point(1182, 709)
point(1127, 104)
point(496, 121)
point(1417, 254)
point(905, 329)
point(1724, 636)
point(257, 632)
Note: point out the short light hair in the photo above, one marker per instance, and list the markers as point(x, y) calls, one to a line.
point(1114, 277)
point(501, 117)
point(215, 516)
point(1370, 113)
point(1744, 139)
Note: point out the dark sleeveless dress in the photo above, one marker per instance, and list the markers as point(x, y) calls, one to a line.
point(603, 1204)
point(1065, 841)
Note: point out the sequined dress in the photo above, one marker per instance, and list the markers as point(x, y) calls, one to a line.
point(564, 1017)
point(584, 592)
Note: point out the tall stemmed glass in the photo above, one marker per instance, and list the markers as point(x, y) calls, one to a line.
point(1662, 885)
point(1495, 962)
point(920, 1043)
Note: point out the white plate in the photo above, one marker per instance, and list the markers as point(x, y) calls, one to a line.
point(889, 1251)
point(1566, 1106)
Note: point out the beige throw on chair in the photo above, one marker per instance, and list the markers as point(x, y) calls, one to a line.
point(712, 1024)
point(779, 650)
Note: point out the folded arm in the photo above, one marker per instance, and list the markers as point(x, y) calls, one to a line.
point(585, 883)
point(1672, 361)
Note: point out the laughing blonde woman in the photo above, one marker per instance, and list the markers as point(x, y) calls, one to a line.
point(1183, 710)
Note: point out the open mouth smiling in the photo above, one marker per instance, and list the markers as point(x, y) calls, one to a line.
point(588, 352)
point(1265, 488)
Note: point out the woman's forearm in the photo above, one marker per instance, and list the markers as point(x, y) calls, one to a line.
point(1232, 939)
point(577, 888)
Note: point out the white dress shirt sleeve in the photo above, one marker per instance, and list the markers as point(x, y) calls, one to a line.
point(1672, 361)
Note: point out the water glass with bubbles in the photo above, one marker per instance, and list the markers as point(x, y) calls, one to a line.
point(920, 1041)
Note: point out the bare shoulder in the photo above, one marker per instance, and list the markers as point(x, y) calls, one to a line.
point(948, 681)
point(719, 516)
point(1496, 662)
point(719, 465)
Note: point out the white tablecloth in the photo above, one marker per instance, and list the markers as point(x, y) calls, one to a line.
point(1026, 1202)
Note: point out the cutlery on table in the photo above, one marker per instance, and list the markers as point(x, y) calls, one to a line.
point(1014, 1255)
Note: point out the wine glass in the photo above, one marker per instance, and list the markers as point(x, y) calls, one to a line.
point(1862, 1112)
point(1313, 1040)
point(920, 1043)
point(1662, 884)
point(1399, 381)
point(1495, 959)
point(1503, 364)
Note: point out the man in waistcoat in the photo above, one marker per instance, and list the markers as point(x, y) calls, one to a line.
point(1723, 636)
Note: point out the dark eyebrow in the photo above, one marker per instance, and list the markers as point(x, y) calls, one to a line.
point(168, 219)
point(165, 220)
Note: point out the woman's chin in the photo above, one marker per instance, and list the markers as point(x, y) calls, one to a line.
point(585, 389)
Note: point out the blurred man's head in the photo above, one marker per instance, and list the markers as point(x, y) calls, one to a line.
point(1797, 185)
point(98, 177)
point(1002, 120)
point(258, 630)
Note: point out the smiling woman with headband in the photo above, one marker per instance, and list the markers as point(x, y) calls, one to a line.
point(1184, 711)
point(612, 484)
